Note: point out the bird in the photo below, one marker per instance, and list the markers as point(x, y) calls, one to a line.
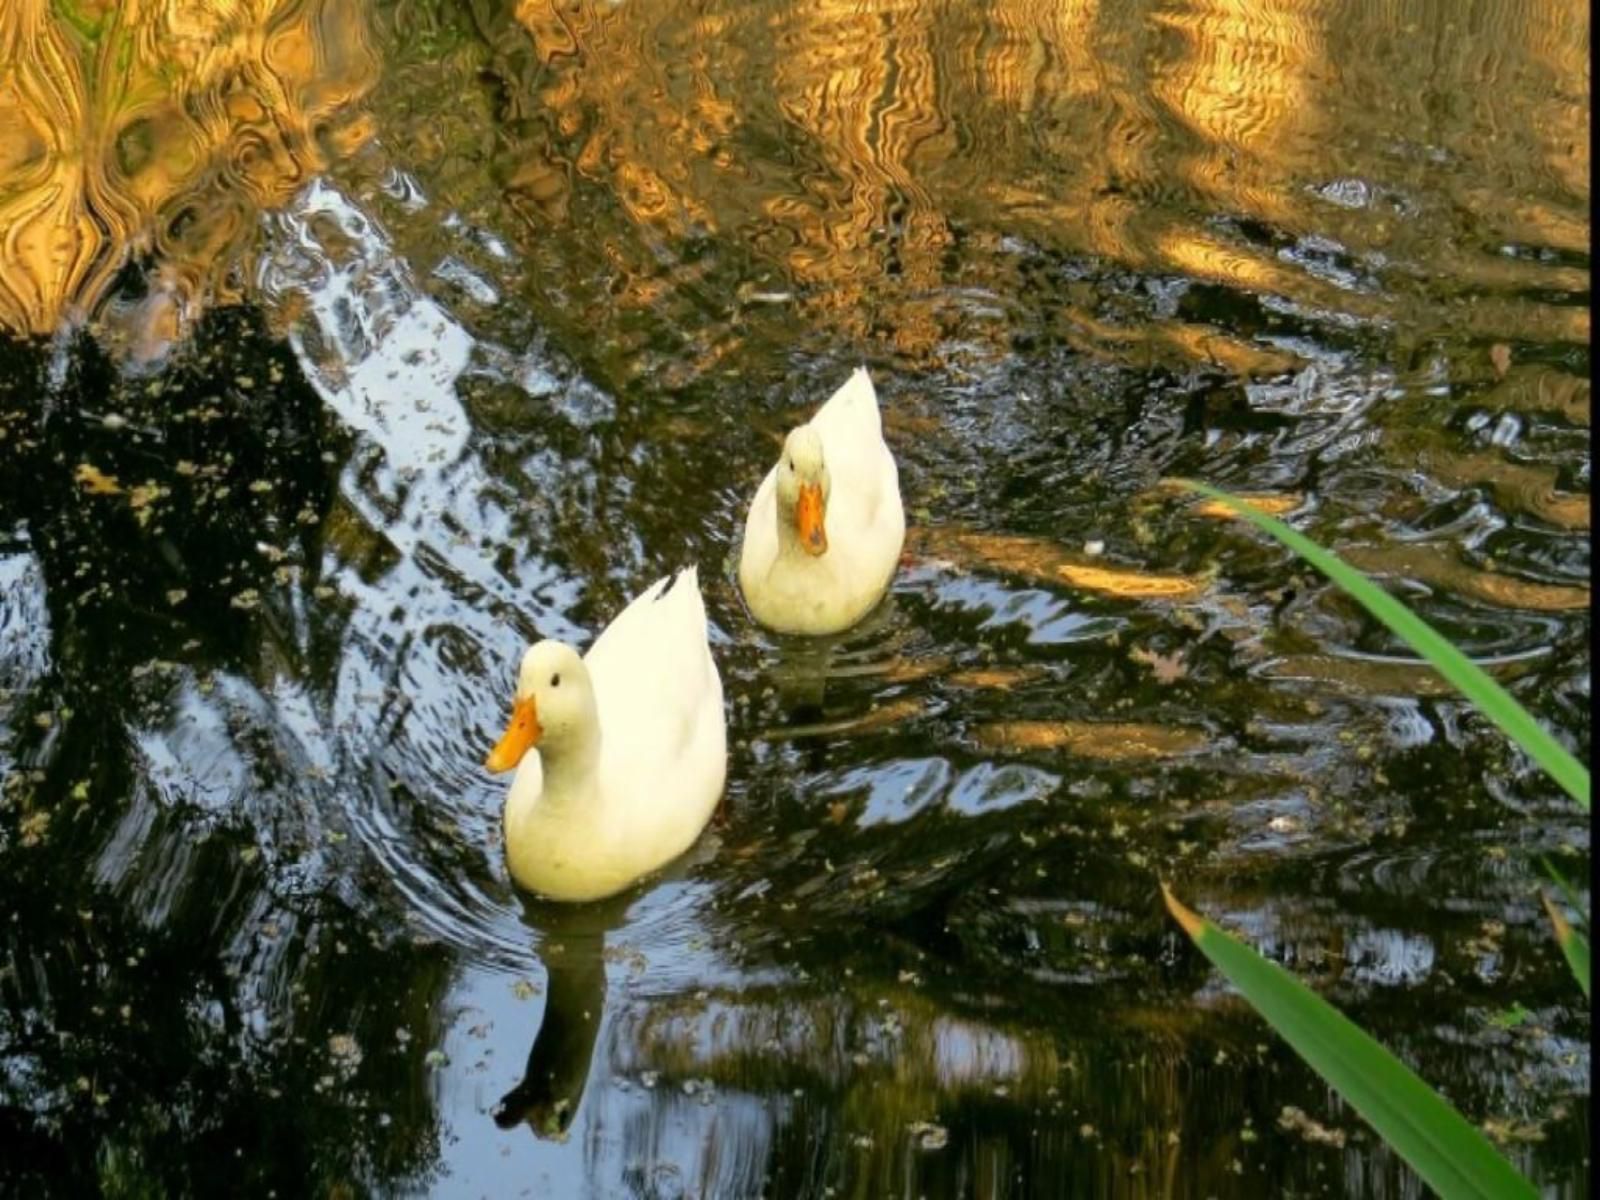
point(825, 530)
point(620, 754)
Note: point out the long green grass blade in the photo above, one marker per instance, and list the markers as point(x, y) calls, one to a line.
point(1492, 699)
point(1573, 944)
point(1451, 1156)
point(1565, 888)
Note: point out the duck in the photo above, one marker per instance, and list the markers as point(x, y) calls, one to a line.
point(620, 754)
point(825, 530)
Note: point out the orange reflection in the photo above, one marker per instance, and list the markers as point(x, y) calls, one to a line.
point(1048, 562)
point(1522, 487)
point(1113, 741)
point(1377, 676)
point(843, 144)
point(161, 128)
point(1272, 503)
point(835, 151)
point(1440, 565)
point(1558, 42)
point(1242, 82)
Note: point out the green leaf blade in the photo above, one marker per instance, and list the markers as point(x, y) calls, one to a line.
point(1465, 675)
point(1573, 944)
point(1565, 888)
point(1451, 1156)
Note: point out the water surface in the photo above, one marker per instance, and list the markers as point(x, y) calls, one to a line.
point(352, 346)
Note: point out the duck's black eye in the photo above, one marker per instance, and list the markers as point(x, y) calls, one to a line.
point(791, 464)
point(555, 680)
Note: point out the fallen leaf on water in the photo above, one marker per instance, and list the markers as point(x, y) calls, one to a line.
point(1113, 741)
point(1292, 1119)
point(1167, 668)
point(141, 497)
point(34, 826)
point(95, 481)
point(1509, 1129)
point(345, 1050)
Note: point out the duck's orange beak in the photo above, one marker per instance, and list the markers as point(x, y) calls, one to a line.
point(809, 515)
point(521, 735)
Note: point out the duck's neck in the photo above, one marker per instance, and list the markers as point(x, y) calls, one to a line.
point(789, 547)
point(570, 781)
point(572, 771)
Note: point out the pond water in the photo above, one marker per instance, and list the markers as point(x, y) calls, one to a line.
point(350, 346)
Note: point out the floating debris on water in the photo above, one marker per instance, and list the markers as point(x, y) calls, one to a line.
point(95, 481)
point(929, 1135)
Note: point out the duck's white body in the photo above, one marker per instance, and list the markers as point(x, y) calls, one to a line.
point(793, 591)
point(625, 785)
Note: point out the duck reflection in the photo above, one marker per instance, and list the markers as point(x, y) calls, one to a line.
point(799, 675)
point(804, 672)
point(550, 1093)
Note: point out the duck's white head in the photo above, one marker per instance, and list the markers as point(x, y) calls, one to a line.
point(803, 487)
point(553, 709)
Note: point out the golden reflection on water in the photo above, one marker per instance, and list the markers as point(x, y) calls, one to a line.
point(161, 128)
point(1379, 677)
point(905, 124)
point(847, 148)
point(1440, 565)
point(1525, 487)
point(1048, 562)
point(1113, 741)
point(1242, 81)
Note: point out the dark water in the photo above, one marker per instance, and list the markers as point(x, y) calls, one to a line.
point(354, 345)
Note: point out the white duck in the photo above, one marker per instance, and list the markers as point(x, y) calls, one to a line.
point(632, 744)
point(826, 525)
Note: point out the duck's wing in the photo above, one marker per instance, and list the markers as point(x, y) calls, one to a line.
point(652, 672)
point(849, 423)
point(862, 468)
